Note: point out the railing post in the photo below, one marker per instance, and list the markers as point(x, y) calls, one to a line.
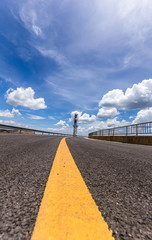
point(126, 131)
point(136, 130)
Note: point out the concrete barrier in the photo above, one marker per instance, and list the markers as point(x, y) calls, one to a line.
point(145, 140)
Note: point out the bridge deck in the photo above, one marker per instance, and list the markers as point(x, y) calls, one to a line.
point(117, 175)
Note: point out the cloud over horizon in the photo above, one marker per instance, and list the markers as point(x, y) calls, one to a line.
point(62, 123)
point(106, 112)
point(136, 97)
point(82, 118)
point(9, 114)
point(144, 115)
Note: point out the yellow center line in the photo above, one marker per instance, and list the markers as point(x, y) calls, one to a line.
point(68, 211)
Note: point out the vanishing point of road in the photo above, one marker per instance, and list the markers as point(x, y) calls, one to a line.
point(54, 188)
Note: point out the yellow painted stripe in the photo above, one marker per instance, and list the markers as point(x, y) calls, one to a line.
point(67, 211)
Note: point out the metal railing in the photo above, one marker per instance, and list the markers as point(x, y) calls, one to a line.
point(20, 130)
point(130, 130)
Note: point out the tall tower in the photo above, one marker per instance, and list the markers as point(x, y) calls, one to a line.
point(75, 126)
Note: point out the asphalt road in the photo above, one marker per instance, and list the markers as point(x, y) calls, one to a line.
point(119, 177)
point(25, 162)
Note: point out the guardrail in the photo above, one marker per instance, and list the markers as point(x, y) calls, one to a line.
point(140, 129)
point(20, 130)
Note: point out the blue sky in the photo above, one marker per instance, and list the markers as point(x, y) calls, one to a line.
point(62, 57)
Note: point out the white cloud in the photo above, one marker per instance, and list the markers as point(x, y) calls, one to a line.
point(82, 118)
point(25, 97)
point(139, 96)
point(16, 111)
point(110, 123)
point(36, 117)
point(62, 124)
point(87, 118)
point(107, 112)
point(144, 115)
point(7, 114)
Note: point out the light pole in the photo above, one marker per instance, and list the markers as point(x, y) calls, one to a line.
point(75, 126)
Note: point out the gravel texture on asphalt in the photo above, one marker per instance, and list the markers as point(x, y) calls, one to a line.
point(25, 163)
point(119, 177)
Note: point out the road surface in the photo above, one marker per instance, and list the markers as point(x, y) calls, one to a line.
point(119, 177)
